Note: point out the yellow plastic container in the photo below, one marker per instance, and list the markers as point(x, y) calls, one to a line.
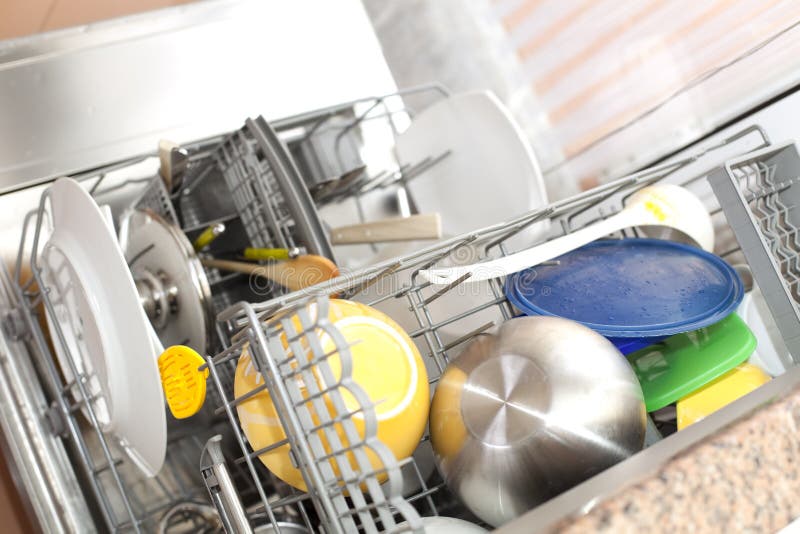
point(736, 383)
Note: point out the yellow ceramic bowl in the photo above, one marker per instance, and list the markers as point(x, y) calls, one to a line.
point(386, 364)
point(736, 383)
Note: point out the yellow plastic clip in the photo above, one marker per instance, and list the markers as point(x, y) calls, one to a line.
point(183, 382)
point(208, 235)
point(270, 253)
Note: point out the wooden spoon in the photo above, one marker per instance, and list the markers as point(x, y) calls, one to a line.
point(298, 273)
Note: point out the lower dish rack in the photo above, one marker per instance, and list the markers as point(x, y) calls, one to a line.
point(441, 319)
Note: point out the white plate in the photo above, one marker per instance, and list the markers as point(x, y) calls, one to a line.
point(100, 314)
point(490, 175)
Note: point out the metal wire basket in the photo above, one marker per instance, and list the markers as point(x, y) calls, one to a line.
point(759, 193)
point(262, 189)
point(327, 447)
point(346, 151)
point(439, 329)
point(124, 499)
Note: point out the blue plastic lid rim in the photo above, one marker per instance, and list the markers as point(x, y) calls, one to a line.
point(726, 304)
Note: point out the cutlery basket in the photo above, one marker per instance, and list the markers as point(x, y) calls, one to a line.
point(248, 182)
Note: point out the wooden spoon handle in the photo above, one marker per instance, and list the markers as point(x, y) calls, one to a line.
point(424, 226)
point(295, 274)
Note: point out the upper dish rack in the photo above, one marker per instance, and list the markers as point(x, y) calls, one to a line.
point(442, 319)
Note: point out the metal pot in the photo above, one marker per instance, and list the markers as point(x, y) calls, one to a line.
point(524, 415)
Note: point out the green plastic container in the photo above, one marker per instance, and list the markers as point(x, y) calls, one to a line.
point(683, 363)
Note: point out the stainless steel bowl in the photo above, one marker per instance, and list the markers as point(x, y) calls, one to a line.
point(524, 415)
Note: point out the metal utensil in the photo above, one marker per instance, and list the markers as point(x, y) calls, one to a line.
point(174, 161)
point(654, 206)
point(531, 412)
point(172, 285)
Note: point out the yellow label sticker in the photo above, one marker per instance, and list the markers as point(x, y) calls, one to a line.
point(656, 209)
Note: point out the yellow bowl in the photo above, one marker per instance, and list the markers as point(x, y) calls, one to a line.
point(385, 363)
point(736, 383)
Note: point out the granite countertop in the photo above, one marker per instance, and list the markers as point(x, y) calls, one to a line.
point(744, 478)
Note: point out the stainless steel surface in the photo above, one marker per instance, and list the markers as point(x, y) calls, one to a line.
point(31, 442)
point(87, 96)
point(280, 528)
point(221, 488)
point(536, 409)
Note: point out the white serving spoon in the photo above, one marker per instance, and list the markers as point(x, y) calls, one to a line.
point(657, 205)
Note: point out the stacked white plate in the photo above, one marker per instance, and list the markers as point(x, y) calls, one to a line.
point(107, 338)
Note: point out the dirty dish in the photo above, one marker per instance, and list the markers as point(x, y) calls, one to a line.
point(685, 362)
point(654, 206)
point(530, 412)
point(717, 394)
point(631, 288)
point(85, 271)
point(385, 363)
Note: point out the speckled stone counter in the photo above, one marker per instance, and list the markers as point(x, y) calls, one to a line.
point(745, 478)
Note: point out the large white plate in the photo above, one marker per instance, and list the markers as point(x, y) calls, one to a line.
point(490, 175)
point(99, 313)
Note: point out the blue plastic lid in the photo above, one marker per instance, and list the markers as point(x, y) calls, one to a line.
point(629, 345)
point(629, 288)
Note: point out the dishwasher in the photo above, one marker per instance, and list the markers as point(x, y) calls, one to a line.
point(276, 188)
point(248, 181)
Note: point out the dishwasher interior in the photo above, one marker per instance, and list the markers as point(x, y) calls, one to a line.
point(280, 188)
